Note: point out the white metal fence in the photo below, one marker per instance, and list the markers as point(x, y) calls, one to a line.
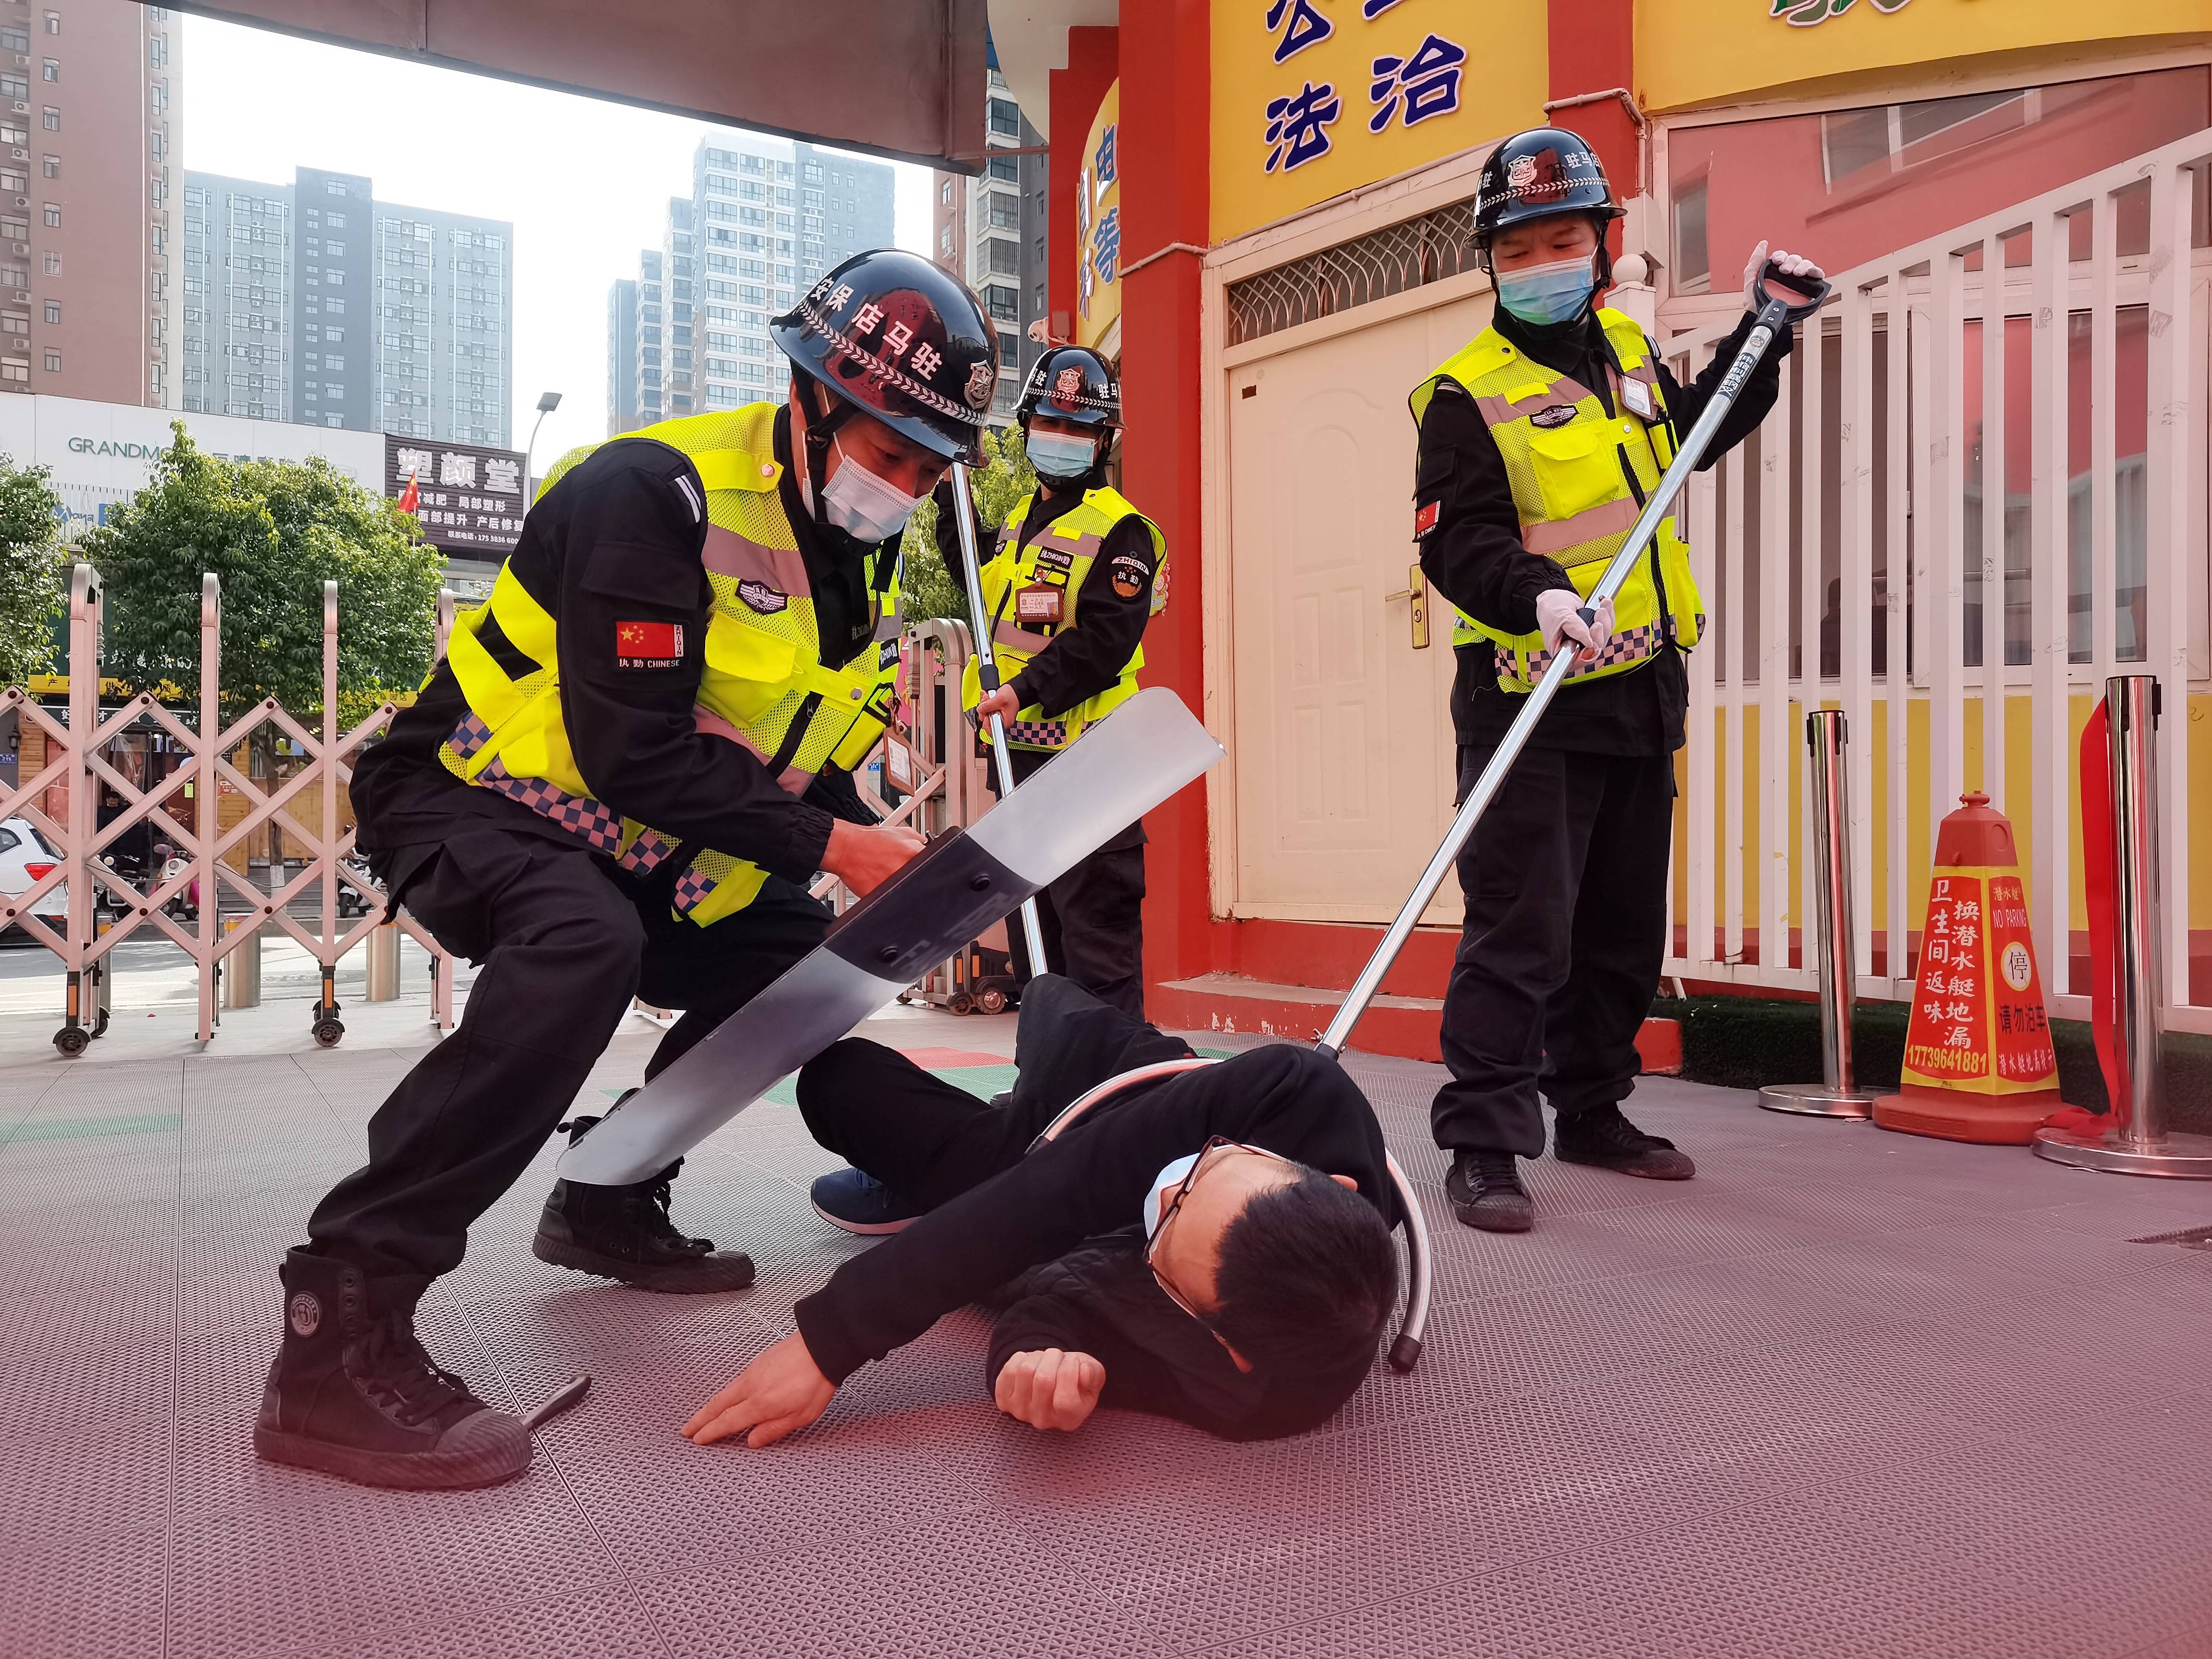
point(1885, 544)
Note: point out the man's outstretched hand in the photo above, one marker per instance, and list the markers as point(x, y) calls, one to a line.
point(1050, 1387)
point(865, 856)
point(782, 1391)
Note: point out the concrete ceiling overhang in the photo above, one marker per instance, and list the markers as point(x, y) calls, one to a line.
point(904, 79)
point(1030, 37)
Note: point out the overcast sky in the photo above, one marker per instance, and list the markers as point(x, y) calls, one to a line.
point(584, 183)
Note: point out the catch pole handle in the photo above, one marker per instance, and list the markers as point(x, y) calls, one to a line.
point(1776, 311)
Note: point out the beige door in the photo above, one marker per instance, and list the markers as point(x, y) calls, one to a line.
point(1342, 745)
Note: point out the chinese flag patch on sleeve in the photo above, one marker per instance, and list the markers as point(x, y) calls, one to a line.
point(1424, 518)
point(649, 645)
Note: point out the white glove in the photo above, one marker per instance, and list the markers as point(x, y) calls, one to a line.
point(1557, 611)
point(1791, 264)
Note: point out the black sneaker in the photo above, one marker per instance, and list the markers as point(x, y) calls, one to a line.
point(1485, 1192)
point(1603, 1137)
point(352, 1394)
point(858, 1203)
point(624, 1233)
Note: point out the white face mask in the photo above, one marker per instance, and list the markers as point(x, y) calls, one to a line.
point(1163, 1190)
point(866, 507)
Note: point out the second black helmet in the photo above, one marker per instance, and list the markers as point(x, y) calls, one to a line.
point(1536, 175)
point(1074, 384)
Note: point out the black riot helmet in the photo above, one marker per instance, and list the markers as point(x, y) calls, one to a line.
point(891, 335)
point(1074, 384)
point(1536, 175)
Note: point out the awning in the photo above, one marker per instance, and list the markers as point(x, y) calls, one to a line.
point(897, 78)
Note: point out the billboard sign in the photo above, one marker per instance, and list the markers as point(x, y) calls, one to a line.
point(469, 498)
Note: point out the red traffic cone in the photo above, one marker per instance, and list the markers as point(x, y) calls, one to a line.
point(1978, 1064)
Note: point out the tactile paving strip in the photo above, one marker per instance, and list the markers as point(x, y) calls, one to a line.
point(1830, 1398)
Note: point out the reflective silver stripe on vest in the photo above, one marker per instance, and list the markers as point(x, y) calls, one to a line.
point(792, 780)
point(728, 554)
point(1607, 519)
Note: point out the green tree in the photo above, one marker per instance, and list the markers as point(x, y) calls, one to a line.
point(32, 569)
point(997, 486)
point(272, 532)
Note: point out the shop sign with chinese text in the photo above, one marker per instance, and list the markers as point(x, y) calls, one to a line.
point(1313, 98)
point(1098, 224)
point(469, 499)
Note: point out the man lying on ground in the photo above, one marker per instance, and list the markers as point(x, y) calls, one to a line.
point(1179, 1250)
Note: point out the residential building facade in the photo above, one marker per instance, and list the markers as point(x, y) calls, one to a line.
point(765, 217)
point(621, 354)
point(990, 232)
point(313, 302)
point(89, 130)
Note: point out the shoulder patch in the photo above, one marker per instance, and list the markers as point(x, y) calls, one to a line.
point(1129, 572)
point(762, 598)
point(1556, 415)
point(1424, 518)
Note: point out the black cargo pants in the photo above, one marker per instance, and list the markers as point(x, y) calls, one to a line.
point(1092, 918)
point(563, 941)
point(1566, 916)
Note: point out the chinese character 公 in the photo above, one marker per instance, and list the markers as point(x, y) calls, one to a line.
point(456, 470)
point(1307, 27)
point(1295, 126)
point(505, 476)
point(1428, 81)
point(1106, 248)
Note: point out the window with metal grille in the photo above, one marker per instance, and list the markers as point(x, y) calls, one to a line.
point(1410, 254)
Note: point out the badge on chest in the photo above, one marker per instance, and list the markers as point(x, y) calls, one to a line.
point(1638, 396)
point(1038, 607)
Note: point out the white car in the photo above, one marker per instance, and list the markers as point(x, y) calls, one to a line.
point(25, 856)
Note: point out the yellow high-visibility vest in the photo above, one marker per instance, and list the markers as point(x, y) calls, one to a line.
point(1060, 557)
point(764, 687)
point(1579, 479)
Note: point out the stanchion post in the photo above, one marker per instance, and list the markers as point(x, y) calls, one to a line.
point(2137, 1142)
point(1837, 1094)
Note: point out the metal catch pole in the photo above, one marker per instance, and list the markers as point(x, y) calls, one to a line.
point(986, 666)
point(1837, 1094)
point(1775, 314)
point(2138, 1142)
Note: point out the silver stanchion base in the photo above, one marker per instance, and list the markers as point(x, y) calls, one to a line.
point(2185, 1158)
point(1815, 1100)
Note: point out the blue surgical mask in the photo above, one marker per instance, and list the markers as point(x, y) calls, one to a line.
point(866, 507)
point(1554, 293)
point(1057, 457)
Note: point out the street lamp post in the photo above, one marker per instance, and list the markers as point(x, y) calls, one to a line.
point(547, 403)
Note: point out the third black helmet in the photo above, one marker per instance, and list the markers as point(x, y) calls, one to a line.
point(1074, 384)
point(902, 339)
point(1536, 175)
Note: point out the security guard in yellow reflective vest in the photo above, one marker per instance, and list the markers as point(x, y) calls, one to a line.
point(1076, 575)
point(1539, 443)
point(617, 783)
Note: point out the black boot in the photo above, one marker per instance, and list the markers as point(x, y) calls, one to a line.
point(352, 1393)
point(1602, 1136)
point(624, 1233)
point(1485, 1192)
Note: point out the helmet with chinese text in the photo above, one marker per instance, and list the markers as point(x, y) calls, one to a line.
point(1073, 384)
point(1536, 175)
point(903, 340)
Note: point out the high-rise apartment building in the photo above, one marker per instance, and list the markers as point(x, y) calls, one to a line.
point(764, 219)
point(622, 355)
point(314, 302)
point(89, 130)
point(990, 232)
